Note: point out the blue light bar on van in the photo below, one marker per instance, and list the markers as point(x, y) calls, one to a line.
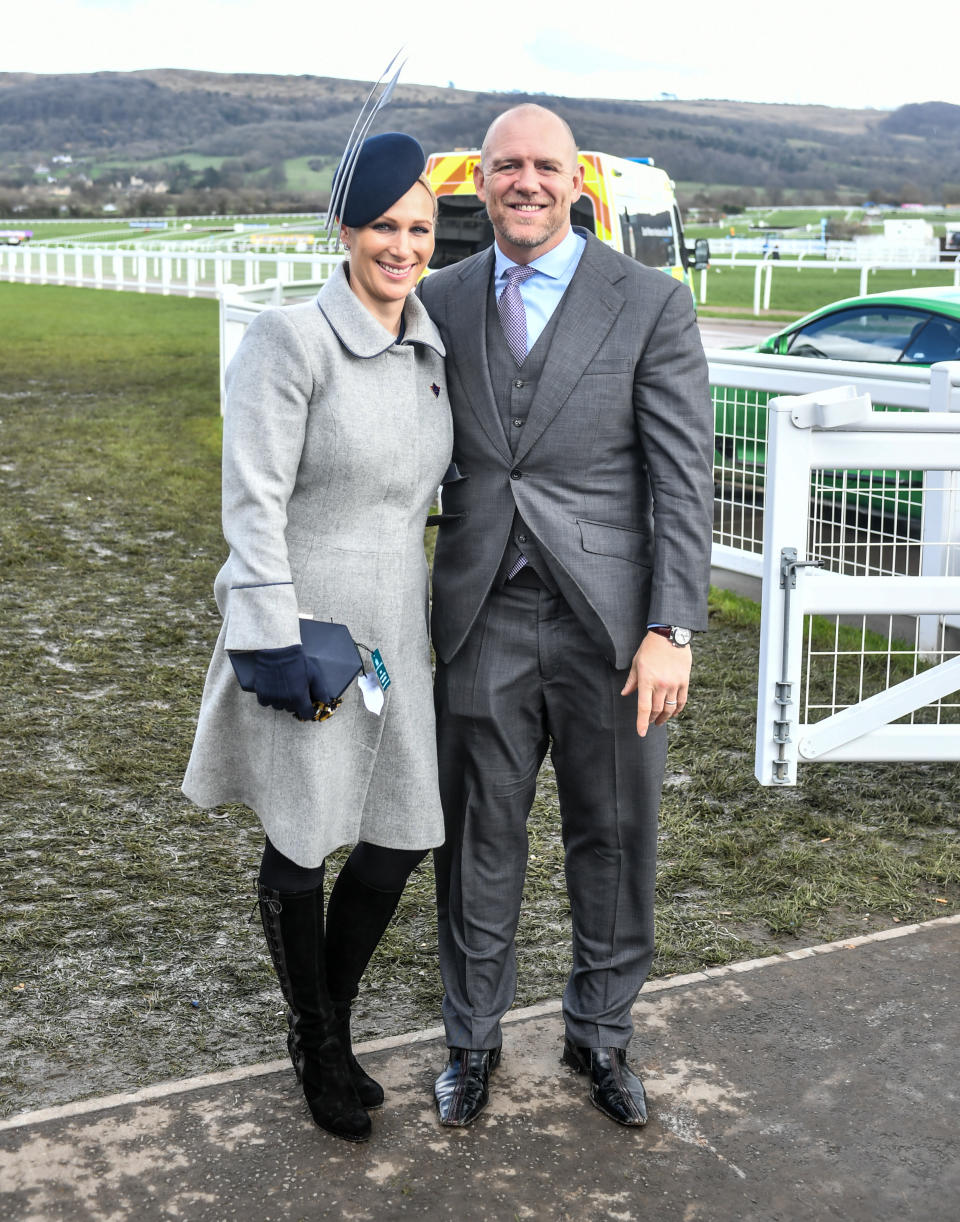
point(642, 160)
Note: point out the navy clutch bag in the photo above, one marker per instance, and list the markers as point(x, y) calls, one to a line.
point(332, 649)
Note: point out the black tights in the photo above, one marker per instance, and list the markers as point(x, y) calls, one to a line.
point(377, 867)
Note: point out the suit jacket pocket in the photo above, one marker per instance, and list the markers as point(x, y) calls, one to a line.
point(618, 364)
point(620, 541)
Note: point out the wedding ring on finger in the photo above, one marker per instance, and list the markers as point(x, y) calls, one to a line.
point(669, 702)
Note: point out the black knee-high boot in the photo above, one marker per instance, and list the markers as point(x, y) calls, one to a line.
point(293, 924)
point(357, 916)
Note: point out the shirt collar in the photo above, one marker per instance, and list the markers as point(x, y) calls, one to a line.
point(553, 264)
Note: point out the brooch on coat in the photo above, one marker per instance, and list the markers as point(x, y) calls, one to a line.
point(436, 389)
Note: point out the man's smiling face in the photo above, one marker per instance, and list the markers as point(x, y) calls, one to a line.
point(528, 177)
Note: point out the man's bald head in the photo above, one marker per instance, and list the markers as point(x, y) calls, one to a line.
point(525, 115)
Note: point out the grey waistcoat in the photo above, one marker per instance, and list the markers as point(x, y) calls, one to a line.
point(514, 389)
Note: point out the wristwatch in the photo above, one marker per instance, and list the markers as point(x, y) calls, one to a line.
point(676, 636)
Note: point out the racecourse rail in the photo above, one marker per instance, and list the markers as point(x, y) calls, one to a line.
point(183, 268)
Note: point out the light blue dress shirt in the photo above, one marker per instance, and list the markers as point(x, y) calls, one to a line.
point(542, 293)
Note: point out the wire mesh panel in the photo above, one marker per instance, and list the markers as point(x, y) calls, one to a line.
point(872, 524)
point(846, 661)
point(740, 449)
point(739, 455)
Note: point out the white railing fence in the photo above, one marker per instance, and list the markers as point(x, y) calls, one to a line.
point(188, 272)
point(763, 270)
point(839, 691)
point(194, 268)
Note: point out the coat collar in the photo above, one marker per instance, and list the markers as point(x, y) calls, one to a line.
point(357, 329)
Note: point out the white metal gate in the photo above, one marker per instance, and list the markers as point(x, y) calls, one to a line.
point(878, 700)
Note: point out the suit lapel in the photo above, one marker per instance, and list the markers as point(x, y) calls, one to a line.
point(468, 332)
point(588, 310)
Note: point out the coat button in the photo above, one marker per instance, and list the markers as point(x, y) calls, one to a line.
point(516, 475)
point(521, 538)
point(517, 422)
point(519, 385)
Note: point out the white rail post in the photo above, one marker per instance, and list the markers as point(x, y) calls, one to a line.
point(790, 448)
point(768, 286)
point(191, 276)
point(757, 274)
point(778, 684)
point(703, 286)
point(940, 534)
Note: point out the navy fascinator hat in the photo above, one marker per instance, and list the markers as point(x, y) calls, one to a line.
point(385, 169)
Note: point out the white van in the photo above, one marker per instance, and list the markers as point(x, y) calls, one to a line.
point(628, 203)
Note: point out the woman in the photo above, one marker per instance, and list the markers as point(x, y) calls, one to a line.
point(337, 432)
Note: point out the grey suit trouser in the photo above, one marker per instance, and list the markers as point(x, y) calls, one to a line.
point(528, 678)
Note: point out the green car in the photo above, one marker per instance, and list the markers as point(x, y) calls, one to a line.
point(904, 327)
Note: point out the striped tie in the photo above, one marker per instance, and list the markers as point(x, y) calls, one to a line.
point(513, 315)
point(518, 564)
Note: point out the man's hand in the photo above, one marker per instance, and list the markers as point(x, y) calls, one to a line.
point(660, 675)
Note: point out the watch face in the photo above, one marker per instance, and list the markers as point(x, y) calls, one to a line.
point(681, 636)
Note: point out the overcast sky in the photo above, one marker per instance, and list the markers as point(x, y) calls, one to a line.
point(822, 51)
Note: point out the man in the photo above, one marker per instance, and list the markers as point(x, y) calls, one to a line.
point(576, 515)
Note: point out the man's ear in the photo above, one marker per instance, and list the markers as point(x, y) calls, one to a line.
point(578, 183)
point(346, 234)
point(478, 182)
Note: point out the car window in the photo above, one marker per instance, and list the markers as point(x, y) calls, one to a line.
point(938, 340)
point(863, 333)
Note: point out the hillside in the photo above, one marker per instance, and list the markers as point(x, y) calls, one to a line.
point(108, 119)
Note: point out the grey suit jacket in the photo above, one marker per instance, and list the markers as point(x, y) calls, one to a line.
point(614, 472)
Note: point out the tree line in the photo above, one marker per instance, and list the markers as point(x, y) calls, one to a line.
point(251, 126)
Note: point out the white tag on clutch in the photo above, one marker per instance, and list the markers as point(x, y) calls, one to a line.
point(372, 692)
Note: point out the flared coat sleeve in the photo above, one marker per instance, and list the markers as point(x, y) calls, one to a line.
point(270, 383)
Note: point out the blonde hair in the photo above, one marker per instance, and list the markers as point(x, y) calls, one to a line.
point(424, 181)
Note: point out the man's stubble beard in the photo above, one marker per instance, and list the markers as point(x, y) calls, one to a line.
point(527, 240)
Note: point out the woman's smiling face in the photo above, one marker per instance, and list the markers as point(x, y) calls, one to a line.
point(388, 256)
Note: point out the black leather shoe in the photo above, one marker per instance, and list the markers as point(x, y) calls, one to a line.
point(462, 1090)
point(614, 1088)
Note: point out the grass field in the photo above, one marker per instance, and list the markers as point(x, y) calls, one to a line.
point(129, 952)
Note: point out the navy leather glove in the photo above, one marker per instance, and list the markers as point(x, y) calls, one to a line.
point(281, 679)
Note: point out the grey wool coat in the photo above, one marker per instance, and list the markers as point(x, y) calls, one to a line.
point(335, 440)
